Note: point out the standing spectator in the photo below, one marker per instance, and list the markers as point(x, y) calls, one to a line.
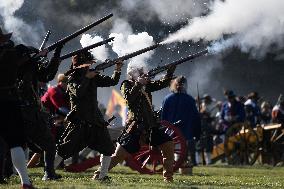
point(278, 112)
point(252, 109)
point(180, 106)
point(265, 113)
point(232, 110)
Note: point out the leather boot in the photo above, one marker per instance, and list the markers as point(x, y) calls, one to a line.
point(119, 155)
point(168, 160)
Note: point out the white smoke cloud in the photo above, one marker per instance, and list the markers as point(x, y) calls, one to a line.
point(253, 25)
point(124, 44)
point(101, 52)
point(121, 26)
point(167, 11)
point(22, 32)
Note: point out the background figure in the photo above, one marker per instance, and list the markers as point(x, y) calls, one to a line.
point(232, 110)
point(56, 101)
point(204, 146)
point(265, 113)
point(252, 109)
point(278, 112)
point(180, 106)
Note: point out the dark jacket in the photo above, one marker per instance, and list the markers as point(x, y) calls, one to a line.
point(10, 59)
point(139, 106)
point(83, 96)
point(29, 76)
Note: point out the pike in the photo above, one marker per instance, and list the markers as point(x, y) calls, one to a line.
point(155, 71)
point(43, 44)
point(73, 35)
point(108, 63)
point(86, 48)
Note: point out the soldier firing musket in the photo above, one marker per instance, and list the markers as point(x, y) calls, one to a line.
point(44, 51)
point(87, 126)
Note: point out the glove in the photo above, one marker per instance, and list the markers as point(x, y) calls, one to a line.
point(57, 51)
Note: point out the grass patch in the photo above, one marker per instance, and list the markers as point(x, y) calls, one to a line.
point(203, 177)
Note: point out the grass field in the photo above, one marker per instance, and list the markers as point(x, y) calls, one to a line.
point(203, 177)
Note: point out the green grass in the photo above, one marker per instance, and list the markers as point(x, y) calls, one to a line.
point(203, 177)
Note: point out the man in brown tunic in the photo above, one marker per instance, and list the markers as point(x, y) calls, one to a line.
point(142, 125)
point(87, 127)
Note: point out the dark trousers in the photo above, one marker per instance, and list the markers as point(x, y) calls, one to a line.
point(39, 135)
point(3, 152)
point(191, 150)
point(80, 135)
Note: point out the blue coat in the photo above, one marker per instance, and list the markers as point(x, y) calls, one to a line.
point(236, 110)
point(181, 106)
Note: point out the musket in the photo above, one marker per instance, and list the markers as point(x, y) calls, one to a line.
point(76, 33)
point(152, 73)
point(86, 48)
point(43, 44)
point(108, 63)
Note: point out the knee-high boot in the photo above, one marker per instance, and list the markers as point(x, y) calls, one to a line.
point(168, 160)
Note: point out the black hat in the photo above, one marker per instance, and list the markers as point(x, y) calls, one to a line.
point(6, 37)
point(229, 93)
point(81, 59)
point(253, 95)
point(181, 80)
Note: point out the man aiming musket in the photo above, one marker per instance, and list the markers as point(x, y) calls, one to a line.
point(87, 127)
point(142, 126)
point(36, 127)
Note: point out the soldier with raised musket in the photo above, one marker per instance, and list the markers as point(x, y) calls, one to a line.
point(142, 125)
point(87, 127)
point(11, 129)
point(36, 120)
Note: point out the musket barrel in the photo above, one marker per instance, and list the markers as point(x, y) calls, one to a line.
point(136, 53)
point(160, 69)
point(78, 32)
point(86, 48)
point(193, 56)
point(43, 44)
point(110, 63)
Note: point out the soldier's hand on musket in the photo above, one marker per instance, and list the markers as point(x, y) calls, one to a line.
point(91, 74)
point(170, 71)
point(43, 53)
point(143, 80)
point(118, 65)
point(57, 51)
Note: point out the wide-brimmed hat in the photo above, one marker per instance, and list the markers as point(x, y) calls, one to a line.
point(6, 37)
point(80, 60)
point(253, 95)
point(229, 94)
